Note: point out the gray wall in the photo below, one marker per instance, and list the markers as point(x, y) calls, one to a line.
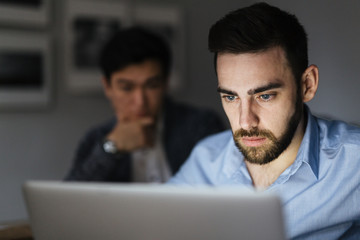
point(39, 144)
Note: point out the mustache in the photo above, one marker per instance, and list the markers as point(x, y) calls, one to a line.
point(254, 132)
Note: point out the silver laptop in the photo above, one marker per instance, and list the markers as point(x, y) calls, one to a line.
point(95, 211)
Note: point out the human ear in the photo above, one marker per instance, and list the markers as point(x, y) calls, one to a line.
point(310, 82)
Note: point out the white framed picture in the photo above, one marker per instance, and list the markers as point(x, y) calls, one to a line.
point(166, 20)
point(34, 13)
point(25, 73)
point(88, 26)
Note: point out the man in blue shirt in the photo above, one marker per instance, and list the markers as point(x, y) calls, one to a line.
point(275, 143)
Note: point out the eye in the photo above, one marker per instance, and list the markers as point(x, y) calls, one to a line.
point(153, 84)
point(229, 98)
point(266, 97)
point(125, 87)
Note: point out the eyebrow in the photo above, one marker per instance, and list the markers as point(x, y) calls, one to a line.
point(221, 90)
point(264, 88)
point(252, 91)
point(129, 81)
point(123, 80)
point(156, 78)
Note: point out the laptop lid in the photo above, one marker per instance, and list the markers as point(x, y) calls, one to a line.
point(93, 211)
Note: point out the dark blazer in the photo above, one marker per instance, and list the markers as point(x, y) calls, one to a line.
point(184, 126)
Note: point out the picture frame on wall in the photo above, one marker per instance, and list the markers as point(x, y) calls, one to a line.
point(166, 20)
point(31, 13)
point(25, 73)
point(88, 26)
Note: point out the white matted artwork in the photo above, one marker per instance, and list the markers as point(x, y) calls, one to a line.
point(88, 26)
point(25, 73)
point(166, 20)
point(34, 13)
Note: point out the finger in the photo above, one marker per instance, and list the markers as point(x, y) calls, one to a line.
point(146, 121)
point(122, 117)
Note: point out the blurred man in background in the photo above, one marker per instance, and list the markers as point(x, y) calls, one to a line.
point(150, 135)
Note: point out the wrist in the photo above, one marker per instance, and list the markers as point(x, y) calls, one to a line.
point(109, 146)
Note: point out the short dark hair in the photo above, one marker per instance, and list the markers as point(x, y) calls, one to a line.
point(257, 28)
point(133, 46)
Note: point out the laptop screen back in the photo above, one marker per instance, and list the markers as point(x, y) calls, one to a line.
point(77, 211)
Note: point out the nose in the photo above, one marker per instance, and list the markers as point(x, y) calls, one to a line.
point(248, 117)
point(139, 98)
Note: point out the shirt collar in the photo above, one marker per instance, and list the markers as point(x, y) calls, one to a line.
point(309, 149)
point(235, 168)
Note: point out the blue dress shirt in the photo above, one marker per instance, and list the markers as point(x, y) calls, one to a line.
point(320, 190)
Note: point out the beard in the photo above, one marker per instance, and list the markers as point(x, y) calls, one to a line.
point(272, 149)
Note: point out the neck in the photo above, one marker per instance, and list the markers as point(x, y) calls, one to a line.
point(265, 175)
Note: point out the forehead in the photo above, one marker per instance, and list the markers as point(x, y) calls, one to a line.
point(139, 72)
point(250, 70)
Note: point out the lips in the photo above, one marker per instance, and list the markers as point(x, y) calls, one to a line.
point(253, 141)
